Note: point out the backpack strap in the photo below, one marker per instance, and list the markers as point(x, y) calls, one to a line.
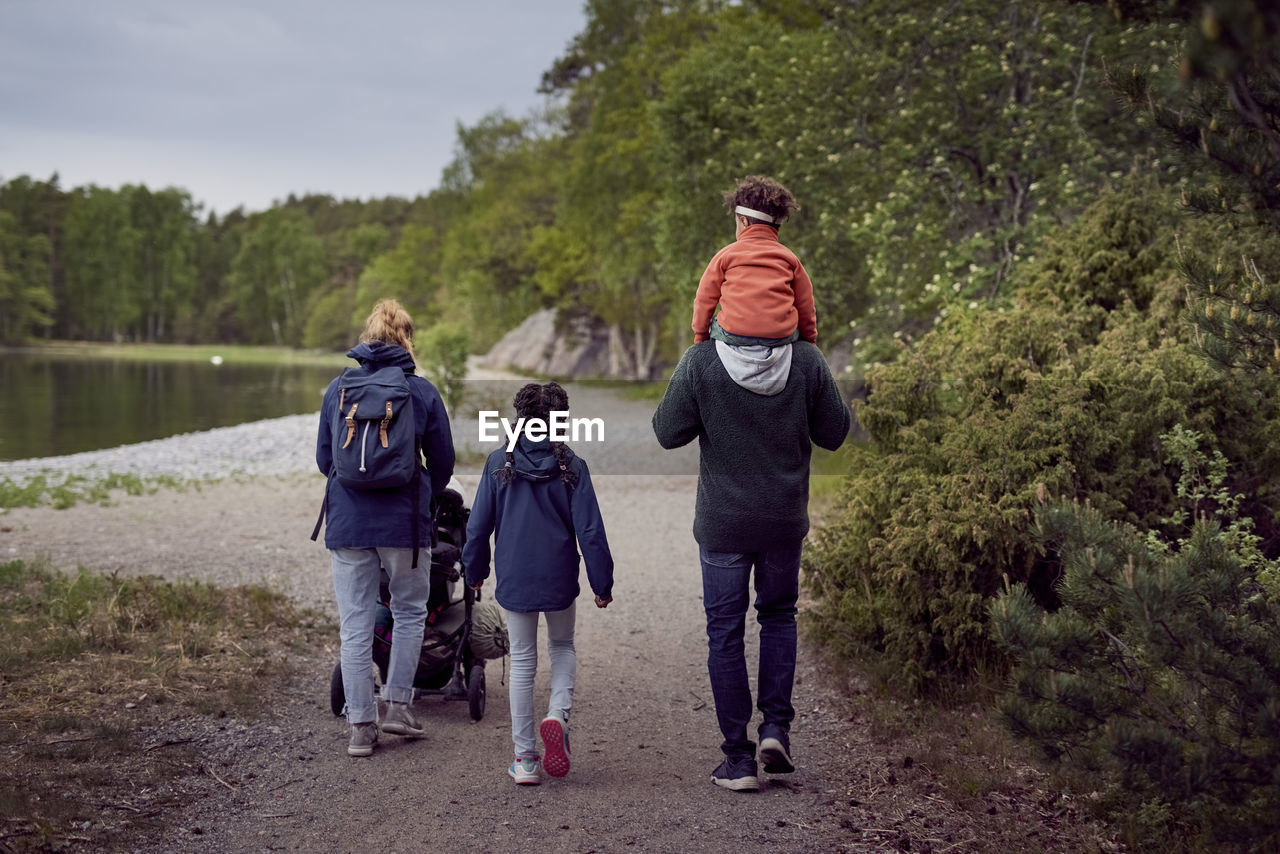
point(351, 424)
point(382, 429)
point(324, 508)
point(417, 508)
point(417, 503)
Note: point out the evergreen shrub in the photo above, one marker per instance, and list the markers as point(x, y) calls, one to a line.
point(1070, 385)
point(1160, 672)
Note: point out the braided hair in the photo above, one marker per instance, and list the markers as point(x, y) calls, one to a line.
point(539, 401)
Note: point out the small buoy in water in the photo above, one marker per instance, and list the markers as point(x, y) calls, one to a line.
point(217, 360)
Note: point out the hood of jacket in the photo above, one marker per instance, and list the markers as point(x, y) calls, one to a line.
point(377, 354)
point(536, 460)
point(763, 370)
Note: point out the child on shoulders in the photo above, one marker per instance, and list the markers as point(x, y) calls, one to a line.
point(765, 295)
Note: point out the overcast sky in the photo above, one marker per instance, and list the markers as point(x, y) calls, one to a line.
point(242, 103)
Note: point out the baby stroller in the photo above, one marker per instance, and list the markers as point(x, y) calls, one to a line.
point(448, 664)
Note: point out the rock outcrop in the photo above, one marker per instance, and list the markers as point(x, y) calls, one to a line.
point(552, 344)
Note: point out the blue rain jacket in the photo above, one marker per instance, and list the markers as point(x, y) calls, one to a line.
point(538, 523)
point(368, 518)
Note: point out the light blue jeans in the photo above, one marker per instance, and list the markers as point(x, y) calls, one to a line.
point(522, 631)
point(356, 576)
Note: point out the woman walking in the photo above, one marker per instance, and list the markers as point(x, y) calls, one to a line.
point(373, 528)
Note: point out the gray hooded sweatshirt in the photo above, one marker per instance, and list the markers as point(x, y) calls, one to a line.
point(761, 369)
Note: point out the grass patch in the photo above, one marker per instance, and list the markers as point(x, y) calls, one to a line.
point(63, 491)
point(229, 353)
point(469, 462)
point(634, 390)
point(89, 662)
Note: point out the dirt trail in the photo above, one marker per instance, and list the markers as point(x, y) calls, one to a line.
point(644, 732)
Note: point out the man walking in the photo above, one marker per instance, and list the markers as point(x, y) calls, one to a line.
point(756, 411)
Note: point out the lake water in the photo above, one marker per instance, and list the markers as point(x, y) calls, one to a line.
point(54, 405)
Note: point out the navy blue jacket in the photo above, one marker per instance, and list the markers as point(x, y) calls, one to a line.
point(537, 518)
point(368, 518)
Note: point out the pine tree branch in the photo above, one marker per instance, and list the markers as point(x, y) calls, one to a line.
point(1253, 115)
point(1139, 690)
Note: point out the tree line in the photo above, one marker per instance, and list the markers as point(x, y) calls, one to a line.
point(931, 151)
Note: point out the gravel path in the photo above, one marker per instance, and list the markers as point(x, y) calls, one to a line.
point(645, 738)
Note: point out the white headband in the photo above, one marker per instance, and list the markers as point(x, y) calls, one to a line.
point(753, 214)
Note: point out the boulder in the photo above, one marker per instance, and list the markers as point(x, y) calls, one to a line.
point(554, 344)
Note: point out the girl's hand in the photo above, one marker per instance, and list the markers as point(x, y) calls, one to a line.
point(603, 603)
point(476, 587)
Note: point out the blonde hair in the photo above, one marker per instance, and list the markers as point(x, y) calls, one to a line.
point(390, 324)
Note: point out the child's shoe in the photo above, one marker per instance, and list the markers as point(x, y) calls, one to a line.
point(524, 770)
point(555, 745)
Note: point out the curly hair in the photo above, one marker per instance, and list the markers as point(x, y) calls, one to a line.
point(762, 194)
point(539, 401)
point(390, 324)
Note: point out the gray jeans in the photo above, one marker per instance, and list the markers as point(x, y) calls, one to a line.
point(522, 630)
point(356, 575)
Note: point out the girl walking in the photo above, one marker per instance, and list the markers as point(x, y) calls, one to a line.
point(538, 502)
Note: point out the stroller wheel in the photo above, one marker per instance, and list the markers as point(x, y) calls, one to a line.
point(337, 694)
point(475, 691)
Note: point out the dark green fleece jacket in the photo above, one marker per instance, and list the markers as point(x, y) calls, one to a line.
point(753, 473)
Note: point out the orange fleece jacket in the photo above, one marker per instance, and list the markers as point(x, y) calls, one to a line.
point(761, 287)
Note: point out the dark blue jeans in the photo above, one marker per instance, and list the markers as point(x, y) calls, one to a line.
point(726, 577)
point(719, 333)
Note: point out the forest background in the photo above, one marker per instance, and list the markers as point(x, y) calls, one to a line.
point(1044, 239)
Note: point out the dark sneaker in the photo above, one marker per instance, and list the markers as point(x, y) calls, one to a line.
point(736, 774)
point(363, 738)
point(399, 720)
point(775, 754)
point(555, 744)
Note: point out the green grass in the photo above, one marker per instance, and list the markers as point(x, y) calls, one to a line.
point(628, 389)
point(828, 471)
point(48, 617)
point(49, 489)
point(91, 663)
point(238, 354)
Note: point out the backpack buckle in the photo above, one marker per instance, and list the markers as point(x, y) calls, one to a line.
point(351, 424)
point(382, 430)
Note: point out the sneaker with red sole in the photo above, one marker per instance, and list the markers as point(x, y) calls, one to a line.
point(524, 770)
point(555, 744)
